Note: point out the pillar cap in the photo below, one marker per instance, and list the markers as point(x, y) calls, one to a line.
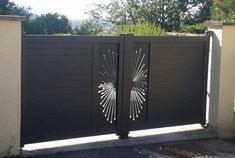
point(214, 24)
point(12, 17)
point(218, 24)
point(229, 23)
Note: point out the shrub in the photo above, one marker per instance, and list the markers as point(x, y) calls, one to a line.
point(141, 29)
point(199, 28)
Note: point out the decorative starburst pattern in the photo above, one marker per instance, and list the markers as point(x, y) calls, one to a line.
point(139, 84)
point(107, 88)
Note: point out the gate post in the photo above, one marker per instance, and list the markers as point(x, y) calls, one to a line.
point(10, 85)
point(124, 84)
point(222, 79)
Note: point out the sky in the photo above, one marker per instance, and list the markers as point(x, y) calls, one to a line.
point(73, 9)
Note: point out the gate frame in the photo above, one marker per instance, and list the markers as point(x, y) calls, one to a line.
point(126, 42)
point(125, 82)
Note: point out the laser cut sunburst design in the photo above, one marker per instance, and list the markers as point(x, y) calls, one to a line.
point(139, 84)
point(107, 88)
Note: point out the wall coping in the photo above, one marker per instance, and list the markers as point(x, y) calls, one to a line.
point(218, 24)
point(214, 24)
point(229, 23)
point(12, 18)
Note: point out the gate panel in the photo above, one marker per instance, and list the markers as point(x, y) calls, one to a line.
point(176, 81)
point(60, 87)
point(87, 85)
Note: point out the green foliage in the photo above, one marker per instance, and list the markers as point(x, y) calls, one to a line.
point(168, 14)
point(145, 29)
point(224, 11)
point(199, 28)
point(48, 24)
point(10, 8)
point(88, 27)
point(195, 11)
point(44, 24)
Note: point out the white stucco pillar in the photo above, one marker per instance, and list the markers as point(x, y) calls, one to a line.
point(221, 86)
point(10, 85)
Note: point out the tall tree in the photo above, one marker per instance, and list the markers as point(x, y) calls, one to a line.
point(165, 13)
point(44, 24)
point(10, 8)
point(224, 10)
point(49, 24)
point(88, 27)
point(169, 14)
point(195, 11)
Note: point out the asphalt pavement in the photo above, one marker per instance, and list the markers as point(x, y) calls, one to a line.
point(209, 148)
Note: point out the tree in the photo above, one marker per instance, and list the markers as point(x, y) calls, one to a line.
point(165, 13)
point(88, 27)
point(10, 8)
point(169, 14)
point(49, 24)
point(44, 24)
point(224, 10)
point(195, 11)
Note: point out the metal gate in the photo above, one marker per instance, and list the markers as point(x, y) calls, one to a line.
point(75, 86)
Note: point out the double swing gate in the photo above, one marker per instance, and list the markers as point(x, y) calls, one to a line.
point(75, 86)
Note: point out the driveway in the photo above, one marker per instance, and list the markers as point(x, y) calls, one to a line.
point(210, 148)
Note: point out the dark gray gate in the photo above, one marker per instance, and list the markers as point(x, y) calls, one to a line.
point(75, 86)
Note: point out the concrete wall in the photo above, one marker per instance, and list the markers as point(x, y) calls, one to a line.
point(214, 73)
point(222, 79)
point(10, 91)
point(226, 113)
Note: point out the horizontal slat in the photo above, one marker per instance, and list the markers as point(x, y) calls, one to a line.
point(52, 88)
point(179, 45)
point(52, 78)
point(182, 91)
point(70, 39)
point(82, 69)
point(63, 58)
point(176, 56)
point(57, 59)
point(57, 99)
point(79, 77)
point(48, 91)
point(173, 85)
point(185, 67)
point(80, 83)
point(172, 39)
point(51, 65)
point(56, 46)
point(164, 77)
point(61, 91)
point(173, 73)
point(178, 62)
point(57, 52)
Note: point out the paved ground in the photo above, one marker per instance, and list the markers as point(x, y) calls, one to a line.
point(201, 148)
point(195, 143)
